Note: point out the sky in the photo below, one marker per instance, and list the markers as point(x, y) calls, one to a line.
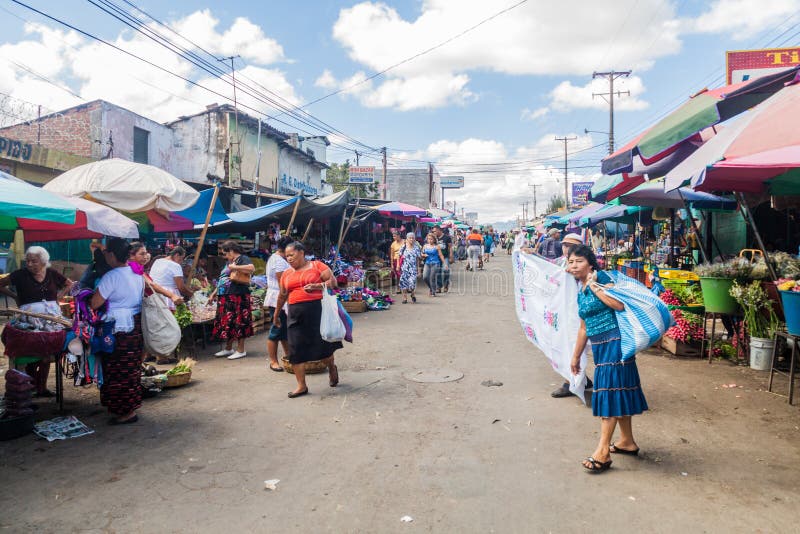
point(480, 89)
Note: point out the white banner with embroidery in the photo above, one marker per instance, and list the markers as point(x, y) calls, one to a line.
point(547, 308)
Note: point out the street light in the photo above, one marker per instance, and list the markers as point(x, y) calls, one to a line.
point(593, 131)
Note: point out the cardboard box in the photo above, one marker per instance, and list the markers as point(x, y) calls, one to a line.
point(679, 348)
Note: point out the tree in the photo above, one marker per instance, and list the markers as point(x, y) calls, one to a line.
point(555, 204)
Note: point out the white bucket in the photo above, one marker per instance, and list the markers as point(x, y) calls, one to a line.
point(761, 353)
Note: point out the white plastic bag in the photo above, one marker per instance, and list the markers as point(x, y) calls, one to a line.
point(160, 329)
point(331, 327)
point(645, 317)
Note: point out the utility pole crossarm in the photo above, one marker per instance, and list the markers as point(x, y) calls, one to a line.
point(611, 76)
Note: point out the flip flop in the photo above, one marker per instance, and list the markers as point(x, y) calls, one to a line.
point(278, 369)
point(616, 450)
point(293, 395)
point(596, 467)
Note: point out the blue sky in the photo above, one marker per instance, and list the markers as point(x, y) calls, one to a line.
point(496, 95)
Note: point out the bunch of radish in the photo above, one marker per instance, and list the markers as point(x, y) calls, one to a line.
point(688, 327)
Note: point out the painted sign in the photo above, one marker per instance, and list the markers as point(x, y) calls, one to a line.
point(743, 65)
point(10, 148)
point(292, 186)
point(451, 182)
point(362, 175)
point(580, 192)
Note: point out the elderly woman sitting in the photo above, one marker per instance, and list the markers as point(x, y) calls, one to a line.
point(38, 290)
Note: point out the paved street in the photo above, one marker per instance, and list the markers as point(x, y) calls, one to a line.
point(455, 457)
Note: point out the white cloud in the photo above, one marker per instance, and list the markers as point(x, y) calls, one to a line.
point(530, 40)
point(497, 177)
point(96, 71)
point(536, 38)
point(566, 96)
point(528, 114)
point(742, 18)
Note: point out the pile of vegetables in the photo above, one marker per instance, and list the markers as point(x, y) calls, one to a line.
point(785, 284)
point(688, 327)
point(183, 366)
point(183, 315)
point(668, 296)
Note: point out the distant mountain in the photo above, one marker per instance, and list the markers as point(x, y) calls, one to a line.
point(503, 226)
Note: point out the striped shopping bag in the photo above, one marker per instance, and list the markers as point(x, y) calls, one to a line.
point(645, 317)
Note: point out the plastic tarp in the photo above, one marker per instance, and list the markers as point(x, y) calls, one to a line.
point(281, 211)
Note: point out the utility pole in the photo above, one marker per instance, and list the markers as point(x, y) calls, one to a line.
point(235, 137)
point(524, 211)
point(566, 140)
point(357, 155)
point(534, 186)
point(383, 191)
point(611, 76)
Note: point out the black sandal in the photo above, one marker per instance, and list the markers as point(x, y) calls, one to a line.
point(596, 467)
point(293, 395)
point(278, 369)
point(616, 450)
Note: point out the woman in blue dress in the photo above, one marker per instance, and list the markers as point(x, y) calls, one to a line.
point(617, 392)
point(409, 255)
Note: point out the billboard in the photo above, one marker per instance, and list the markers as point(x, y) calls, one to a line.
point(743, 65)
point(362, 175)
point(580, 192)
point(451, 182)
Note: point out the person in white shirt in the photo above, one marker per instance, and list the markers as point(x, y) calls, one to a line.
point(168, 273)
point(275, 266)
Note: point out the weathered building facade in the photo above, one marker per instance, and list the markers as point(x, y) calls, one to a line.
point(217, 142)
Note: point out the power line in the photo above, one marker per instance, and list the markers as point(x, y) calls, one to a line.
point(415, 56)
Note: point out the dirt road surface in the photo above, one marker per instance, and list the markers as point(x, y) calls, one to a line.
point(455, 456)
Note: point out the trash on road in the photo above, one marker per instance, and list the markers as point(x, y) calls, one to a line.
point(406, 519)
point(271, 484)
point(491, 383)
point(62, 428)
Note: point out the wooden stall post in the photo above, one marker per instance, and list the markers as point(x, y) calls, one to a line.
point(294, 214)
point(202, 238)
point(308, 229)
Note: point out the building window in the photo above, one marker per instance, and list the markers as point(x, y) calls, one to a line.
point(141, 142)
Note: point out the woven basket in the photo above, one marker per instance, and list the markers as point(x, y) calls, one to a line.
point(312, 368)
point(177, 380)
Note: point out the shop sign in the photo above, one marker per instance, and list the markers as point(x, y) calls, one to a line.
point(289, 185)
point(10, 148)
point(451, 182)
point(743, 65)
point(580, 192)
point(362, 175)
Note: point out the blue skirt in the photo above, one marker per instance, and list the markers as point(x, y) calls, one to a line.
point(617, 390)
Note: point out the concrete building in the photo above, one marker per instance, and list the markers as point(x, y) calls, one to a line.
point(418, 187)
point(215, 142)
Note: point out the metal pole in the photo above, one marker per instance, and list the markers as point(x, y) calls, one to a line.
point(383, 193)
point(696, 229)
point(748, 219)
point(671, 257)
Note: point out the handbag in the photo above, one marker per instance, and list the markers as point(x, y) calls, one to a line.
point(103, 340)
point(241, 277)
point(160, 329)
point(645, 317)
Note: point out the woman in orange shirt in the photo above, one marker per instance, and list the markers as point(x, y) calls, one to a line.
point(302, 286)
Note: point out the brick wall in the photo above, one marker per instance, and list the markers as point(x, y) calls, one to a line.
point(69, 131)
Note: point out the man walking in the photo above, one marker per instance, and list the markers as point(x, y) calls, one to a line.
point(551, 247)
point(446, 244)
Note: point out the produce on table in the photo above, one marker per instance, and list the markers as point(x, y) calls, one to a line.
point(183, 315)
point(785, 284)
point(669, 297)
point(688, 327)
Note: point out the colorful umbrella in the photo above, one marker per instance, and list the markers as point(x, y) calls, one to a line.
point(760, 152)
point(20, 199)
point(703, 110)
point(126, 186)
point(575, 217)
point(652, 194)
point(401, 209)
point(89, 219)
point(615, 213)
